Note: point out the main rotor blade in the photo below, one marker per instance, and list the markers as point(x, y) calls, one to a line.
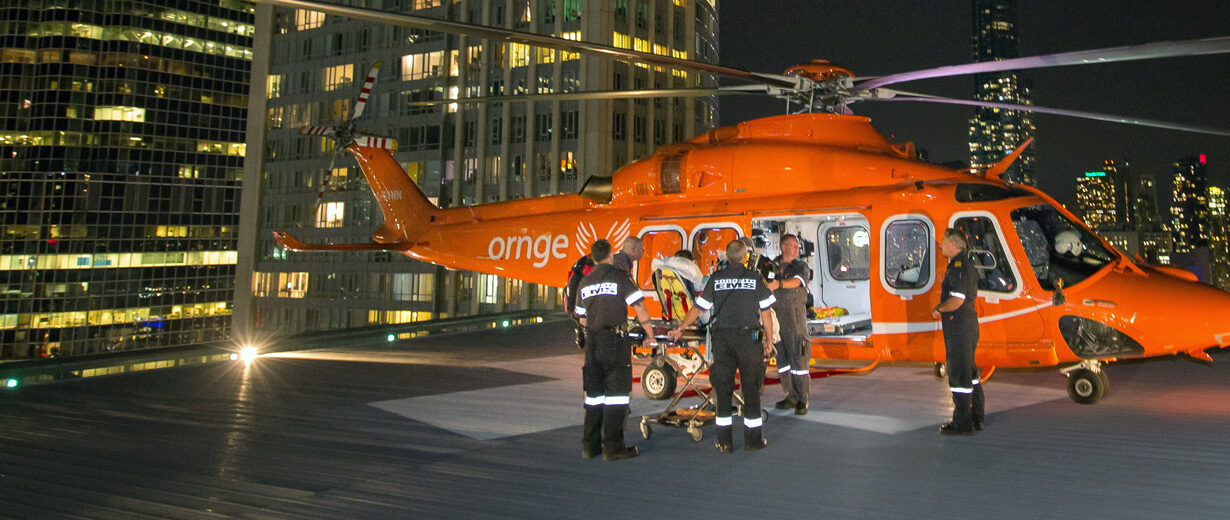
point(600, 94)
point(1147, 51)
point(367, 91)
point(537, 40)
point(906, 96)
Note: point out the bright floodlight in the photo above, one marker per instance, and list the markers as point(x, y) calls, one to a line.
point(247, 354)
point(392, 337)
point(10, 383)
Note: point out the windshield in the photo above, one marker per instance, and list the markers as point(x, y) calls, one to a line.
point(1058, 248)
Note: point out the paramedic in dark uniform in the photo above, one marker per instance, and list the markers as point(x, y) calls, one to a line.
point(959, 317)
point(789, 286)
point(582, 267)
point(602, 306)
point(629, 254)
point(739, 302)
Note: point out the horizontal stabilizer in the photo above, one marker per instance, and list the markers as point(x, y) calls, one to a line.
point(292, 244)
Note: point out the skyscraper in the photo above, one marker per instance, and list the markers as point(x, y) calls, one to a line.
point(993, 132)
point(460, 154)
point(121, 153)
point(1219, 238)
point(1189, 209)
point(1096, 193)
point(1144, 204)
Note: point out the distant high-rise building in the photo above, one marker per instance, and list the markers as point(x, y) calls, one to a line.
point(1144, 204)
point(1095, 199)
point(121, 154)
point(1219, 238)
point(993, 132)
point(1189, 209)
point(313, 65)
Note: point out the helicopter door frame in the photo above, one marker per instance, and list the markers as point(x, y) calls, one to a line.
point(993, 296)
point(903, 293)
point(842, 292)
point(636, 266)
point(696, 229)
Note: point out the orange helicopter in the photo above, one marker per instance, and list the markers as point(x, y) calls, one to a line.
point(1051, 292)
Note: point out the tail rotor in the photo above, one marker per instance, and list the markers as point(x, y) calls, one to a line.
point(343, 135)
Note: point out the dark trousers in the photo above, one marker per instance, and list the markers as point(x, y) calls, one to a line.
point(793, 366)
point(737, 349)
point(607, 379)
point(960, 341)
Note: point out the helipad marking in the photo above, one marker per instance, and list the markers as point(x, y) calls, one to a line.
point(888, 401)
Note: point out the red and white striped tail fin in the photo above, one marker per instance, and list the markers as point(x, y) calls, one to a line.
point(366, 92)
point(371, 141)
point(316, 130)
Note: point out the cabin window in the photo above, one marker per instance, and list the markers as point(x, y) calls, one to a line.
point(985, 246)
point(658, 244)
point(907, 254)
point(709, 246)
point(1058, 248)
point(849, 253)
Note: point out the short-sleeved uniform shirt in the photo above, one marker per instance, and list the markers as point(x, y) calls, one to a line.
point(604, 297)
point(736, 295)
point(961, 281)
point(791, 306)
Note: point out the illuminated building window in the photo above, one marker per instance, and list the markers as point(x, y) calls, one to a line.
point(488, 288)
point(273, 86)
point(337, 76)
point(116, 113)
point(292, 285)
point(330, 215)
point(518, 55)
point(305, 19)
point(420, 66)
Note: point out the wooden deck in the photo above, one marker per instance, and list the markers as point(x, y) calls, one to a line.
point(487, 425)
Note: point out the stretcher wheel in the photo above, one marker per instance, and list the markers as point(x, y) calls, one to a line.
point(658, 380)
point(695, 432)
point(646, 430)
point(940, 372)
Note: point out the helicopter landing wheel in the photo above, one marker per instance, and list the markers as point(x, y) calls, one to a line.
point(658, 380)
point(1086, 386)
point(940, 371)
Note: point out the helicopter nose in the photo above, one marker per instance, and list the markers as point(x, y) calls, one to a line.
point(1174, 314)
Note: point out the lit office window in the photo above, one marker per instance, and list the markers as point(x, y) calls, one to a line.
point(330, 214)
point(338, 76)
point(114, 113)
point(305, 19)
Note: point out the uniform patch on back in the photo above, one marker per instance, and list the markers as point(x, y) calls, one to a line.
point(958, 264)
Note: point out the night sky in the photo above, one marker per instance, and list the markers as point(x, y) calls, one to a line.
point(880, 37)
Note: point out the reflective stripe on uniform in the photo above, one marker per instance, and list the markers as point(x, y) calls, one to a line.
point(634, 297)
point(703, 303)
point(723, 421)
point(956, 390)
point(595, 401)
point(955, 294)
point(800, 278)
point(800, 372)
point(616, 400)
point(976, 381)
point(753, 423)
point(580, 311)
point(767, 302)
point(783, 369)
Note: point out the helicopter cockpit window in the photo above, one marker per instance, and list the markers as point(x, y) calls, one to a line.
point(986, 248)
point(907, 248)
point(1058, 248)
point(849, 253)
point(977, 192)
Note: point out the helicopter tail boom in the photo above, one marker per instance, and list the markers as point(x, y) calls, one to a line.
point(408, 215)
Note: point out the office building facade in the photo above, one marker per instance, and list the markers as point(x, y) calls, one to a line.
point(121, 152)
point(460, 154)
point(1219, 238)
point(1189, 208)
point(993, 132)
